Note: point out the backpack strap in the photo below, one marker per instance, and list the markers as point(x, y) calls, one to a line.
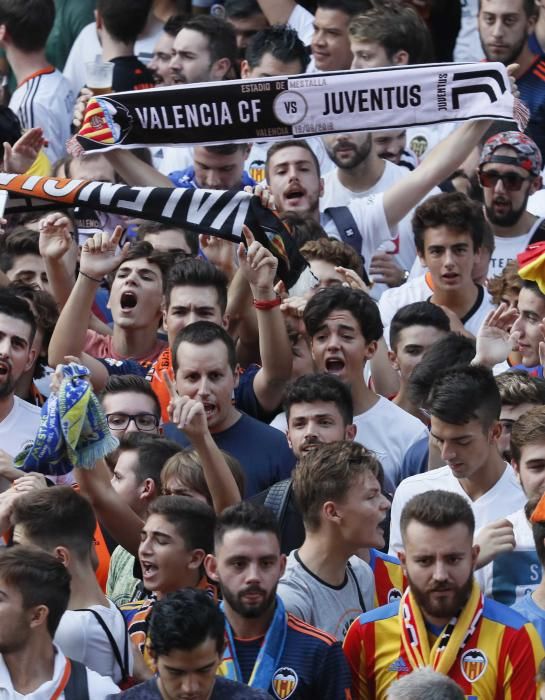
point(77, 687)
point(350, 233)
point(539, 234)
point(277, 499)
point(122, 663)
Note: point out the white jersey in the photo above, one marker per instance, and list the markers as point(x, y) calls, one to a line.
point(100, 687)
point(303, 22)
point(46, 99)
point(330, 608)
point(468, 44)
point(81, 638)
point(422, 138)
point(167, 159)
point(507, 249)
point(504, 498)
point(87, 48)
point(19, 427)
point(512, 575)
point(386, 430)
point(419, 289)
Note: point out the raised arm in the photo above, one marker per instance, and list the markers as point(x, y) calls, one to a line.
point(258, 265)
point(98, 258)
point(134, 171)
point(442, 161)
point(277, 11)
point(189, 415)
point(116, 516)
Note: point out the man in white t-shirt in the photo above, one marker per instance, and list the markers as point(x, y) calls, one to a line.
point(338, 489)
point(43, 96)
point(510, 564)
point(448, 233)
point(509, 172)
point(19, 420)
point(465, 405)
point(61, 521)
point(344, 327)
point(35, 588)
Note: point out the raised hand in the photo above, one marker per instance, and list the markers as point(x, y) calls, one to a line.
point(80, 106)
point(265, 195)
point(494, 342)
point(98, 255)
point(352, 279)
point(55, 237)
point(384, 269)
point(21, 156)
point(493, 539)
point(185, 413)
point(258, 265)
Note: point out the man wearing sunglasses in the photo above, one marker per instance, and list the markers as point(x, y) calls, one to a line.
point(509, 172)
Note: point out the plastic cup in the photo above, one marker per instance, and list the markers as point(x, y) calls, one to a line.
point(99, 77)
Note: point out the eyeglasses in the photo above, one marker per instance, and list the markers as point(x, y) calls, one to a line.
point(143, 421)
point(510, 180)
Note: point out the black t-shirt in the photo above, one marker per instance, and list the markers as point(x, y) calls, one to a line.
point(130, 74)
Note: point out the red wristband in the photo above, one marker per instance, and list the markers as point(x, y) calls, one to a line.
point(262, 305)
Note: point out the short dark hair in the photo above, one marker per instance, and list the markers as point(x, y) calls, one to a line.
point(290, 143)
point(302, 227)
point(454, 210)
point(124, 383)
point(184, 620)
point(194, 520)
point(282, 42)
point(349, 7)
point(55, 517)
point(527, 430)
point(40, 578)
point(246, 516)
point(327, 473)
point(155, 228)
point(14, 306)
point(204, 333)
point(241, 9)
point(517, 387)
point(124, 19)
point(173, 24)
point(453, 350)
point(420, 313)
point(196, 272)
point(437, 509)
point(222, 42)
point(396, 27)
point(357, 302)
point(18, 242)
point(533, 287)
point(462, 394)
point(320, 387)
point(46, 313)
point(28, 22)
point(152, 450)
point(144, 249)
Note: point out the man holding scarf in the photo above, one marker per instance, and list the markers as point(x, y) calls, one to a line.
point(443, 620)
point(266, 647)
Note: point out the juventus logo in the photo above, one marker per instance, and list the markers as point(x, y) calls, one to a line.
point(490, 82)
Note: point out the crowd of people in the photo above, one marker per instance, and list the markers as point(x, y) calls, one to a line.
point(330, 495)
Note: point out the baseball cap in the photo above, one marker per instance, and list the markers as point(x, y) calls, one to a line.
point(528, 155)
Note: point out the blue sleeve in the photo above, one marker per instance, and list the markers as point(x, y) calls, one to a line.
point(245, 398)
point(123, 366)
point(415, 460)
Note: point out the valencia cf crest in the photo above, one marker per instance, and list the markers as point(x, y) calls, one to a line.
point(473, 664)
point(284, 682)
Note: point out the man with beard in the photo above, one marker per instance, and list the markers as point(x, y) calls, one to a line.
point(266, 647)
point(19, 420)
point(443, 620)
point(504, 29)
point(509, 172)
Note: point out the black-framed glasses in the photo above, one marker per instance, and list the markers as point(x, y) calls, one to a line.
point(143, 421)
point(510, 180)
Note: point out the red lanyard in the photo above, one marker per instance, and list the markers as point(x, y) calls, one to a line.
point(64, 680)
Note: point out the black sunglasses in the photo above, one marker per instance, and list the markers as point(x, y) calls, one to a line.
point(510, 180)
